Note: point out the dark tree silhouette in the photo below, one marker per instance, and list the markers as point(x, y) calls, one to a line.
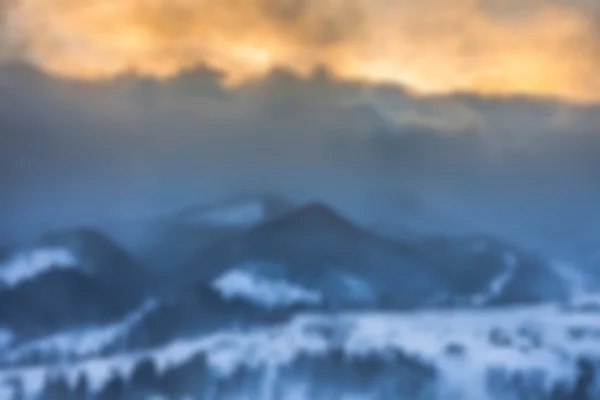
point(560, 392)
point(57, 388)
point(81, 391)
point(585, 379)
point(145, 376)
point(114, 389)
point(16, 385)
point(186, 379)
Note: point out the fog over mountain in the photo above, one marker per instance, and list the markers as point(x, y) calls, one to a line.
point(78, 153)
point(305, 304)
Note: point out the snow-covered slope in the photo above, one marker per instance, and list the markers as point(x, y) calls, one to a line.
point(310, 244)
point(6, 338)
point(68, 280)
point(306, 305)
point(74, 343)
point(270, 293)
point(471, 353)
point(29, 263)
point(486, 271)
point(498, 284)
point(242, 212)
point(316, 248)
point(98, 255)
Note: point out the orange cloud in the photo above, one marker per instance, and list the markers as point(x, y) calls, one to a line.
point(546, 48)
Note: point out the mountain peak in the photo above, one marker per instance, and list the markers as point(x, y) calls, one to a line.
point(98, 254)
point(79, 238)
point(313, 215)
point(322, 211)
point(239, 212)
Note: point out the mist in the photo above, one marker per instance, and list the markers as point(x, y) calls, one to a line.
point(76, 153)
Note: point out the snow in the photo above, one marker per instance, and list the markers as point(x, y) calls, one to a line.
point(6, 338)
point(569, 273)
point(29, 264)
point(6, 392)
point(497, 285)
point(585, 302)
point(358, 288)
point(270, 293)
point(79, 343)
point(425, 335)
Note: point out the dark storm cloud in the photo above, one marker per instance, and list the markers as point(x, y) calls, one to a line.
point(75, 152)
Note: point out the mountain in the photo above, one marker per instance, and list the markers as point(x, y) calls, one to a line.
point(21, 264)
point(304, 304)
point(157, 322)
point(486, 271)
point(314, 247)
point(102, 257)
point(164, 243)
point(242, 212)
point(587, 265)
point(68, 279)
point(200, 310)
point(60, 299)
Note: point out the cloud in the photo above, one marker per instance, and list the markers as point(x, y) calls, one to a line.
point(539, 47)
point(75, 152)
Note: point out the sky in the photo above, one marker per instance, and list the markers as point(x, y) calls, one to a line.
point(545, 47)
point(472, 115)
